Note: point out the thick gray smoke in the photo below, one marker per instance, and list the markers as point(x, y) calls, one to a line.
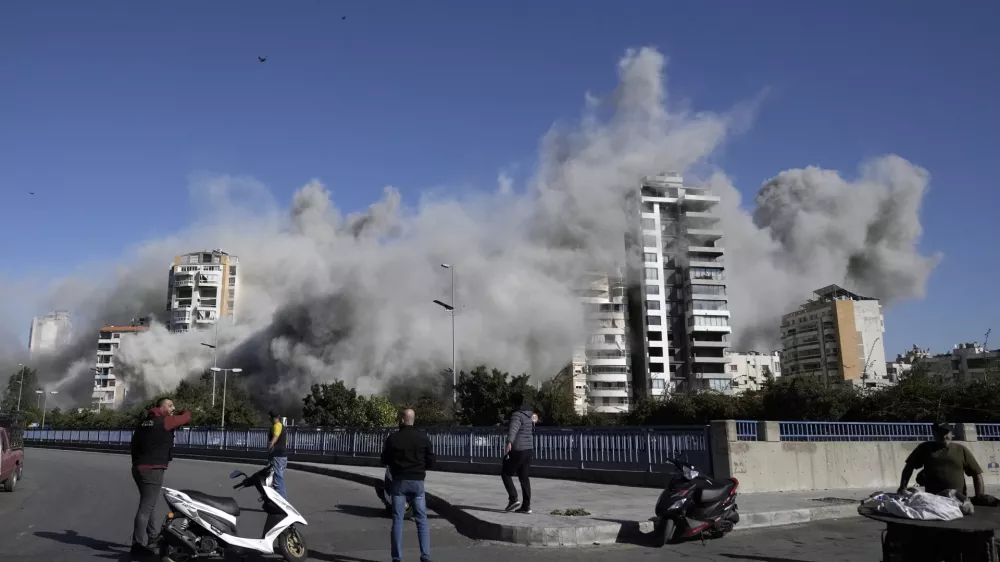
point(325, 296)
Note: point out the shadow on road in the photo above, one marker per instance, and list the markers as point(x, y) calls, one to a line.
point(757, 558)
point(113, 551)
point(369, 511)
point(336, 558)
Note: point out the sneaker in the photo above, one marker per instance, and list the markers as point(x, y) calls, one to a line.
point(524, 509)
point(513, 505)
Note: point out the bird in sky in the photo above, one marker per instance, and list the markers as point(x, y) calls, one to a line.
point(343, 17)
point(31, 193)
point(262, 59)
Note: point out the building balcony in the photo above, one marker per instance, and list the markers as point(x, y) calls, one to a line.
point(709, 343)
point(699, 203)
point(181, 304)
point(709, 359)
point(700, 236)
point(208, 303)
point(209, 280)
point(700, 220)
point(718, 329)
point(610, 409)
point(716, 264)
point(186, 281)
point(205, 320)
point(608, 393)
point(105, 352)
point(608, 361)
point(619, 378)
point(104, 362)
point(715, 250)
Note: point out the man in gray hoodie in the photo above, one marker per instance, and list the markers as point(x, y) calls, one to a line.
point(519, 452)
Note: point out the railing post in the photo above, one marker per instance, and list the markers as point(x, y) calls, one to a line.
point(354, 443)
point(649, 449)
point(247, 442)
point(472, 437)
point(322, 441)
point(578, 433)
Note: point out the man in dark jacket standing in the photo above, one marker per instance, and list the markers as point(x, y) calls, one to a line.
point(152, 448)
point(408, 454)
point(520, 450)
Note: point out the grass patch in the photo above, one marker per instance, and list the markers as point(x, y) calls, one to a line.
point(572, 512)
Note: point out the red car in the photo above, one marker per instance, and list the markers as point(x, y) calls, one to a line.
point(11, 452)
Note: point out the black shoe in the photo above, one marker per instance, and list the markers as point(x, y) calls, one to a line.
point(514, 504)
point(524, 509)
point(143, 550)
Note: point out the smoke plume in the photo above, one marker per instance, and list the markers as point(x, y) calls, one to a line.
point(325, 296)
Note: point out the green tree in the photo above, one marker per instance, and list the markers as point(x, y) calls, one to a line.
point(376, 411)
point(484, 396)
point(330, 405)
point(554, 402)
point(15, 388)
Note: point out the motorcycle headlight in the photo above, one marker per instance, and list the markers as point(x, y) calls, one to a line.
point(677, 504)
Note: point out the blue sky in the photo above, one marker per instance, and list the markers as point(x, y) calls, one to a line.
point(107, 109)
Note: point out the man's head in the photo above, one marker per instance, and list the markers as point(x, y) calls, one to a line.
point(942, 431)
point(273, 415)
point(517, 400)
point(407, 416)
point(166, 405)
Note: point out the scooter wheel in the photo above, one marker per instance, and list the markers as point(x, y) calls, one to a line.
point(663, 532)
point(292, 546)
point(170, 553)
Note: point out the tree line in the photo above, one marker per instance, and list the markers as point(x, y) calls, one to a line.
point(484, 397)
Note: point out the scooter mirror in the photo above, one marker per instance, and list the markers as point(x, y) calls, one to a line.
point(235, 474)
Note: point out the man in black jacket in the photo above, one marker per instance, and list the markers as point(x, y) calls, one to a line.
point(152, 448)
point(408, 454)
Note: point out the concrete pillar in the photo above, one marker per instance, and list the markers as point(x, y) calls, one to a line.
point(768, 431)
point(722, 434)
point(966, 432)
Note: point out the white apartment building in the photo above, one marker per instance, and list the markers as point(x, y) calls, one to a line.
point(837, 337)
point(601, 374)
point(50, 332)
point(202, 288)
point(678, 309)
point(109, 390)
point(750, 370)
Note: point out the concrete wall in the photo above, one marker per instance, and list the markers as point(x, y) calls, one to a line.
point(772, 465)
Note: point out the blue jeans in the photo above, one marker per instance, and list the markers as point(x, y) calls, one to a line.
point(279, 475)
point(412, 490)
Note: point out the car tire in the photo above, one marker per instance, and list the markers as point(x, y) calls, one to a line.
point(11, 483)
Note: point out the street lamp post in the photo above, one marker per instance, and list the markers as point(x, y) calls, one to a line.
point(20, 389)
point(225, 376)
point(215, 361)
point(45, 402)
point(451, 310)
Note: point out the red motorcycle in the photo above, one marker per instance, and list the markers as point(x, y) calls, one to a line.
point(693, 505)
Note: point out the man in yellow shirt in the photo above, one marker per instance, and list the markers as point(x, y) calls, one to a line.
point(276, 453)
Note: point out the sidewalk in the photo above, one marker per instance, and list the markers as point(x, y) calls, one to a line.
point(475, 503)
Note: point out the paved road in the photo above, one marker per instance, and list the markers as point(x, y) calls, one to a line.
point(75, 506)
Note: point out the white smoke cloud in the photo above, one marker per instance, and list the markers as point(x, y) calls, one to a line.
point(325, 296)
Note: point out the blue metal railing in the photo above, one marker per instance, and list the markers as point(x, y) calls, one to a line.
point(644, 449)
point(746, 430)
point(988, 431)
point(854, 431)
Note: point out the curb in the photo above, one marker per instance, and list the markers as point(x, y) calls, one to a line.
point(796, 516)
point(476, 528)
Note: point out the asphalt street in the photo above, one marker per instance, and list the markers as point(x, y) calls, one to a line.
point(76, 506)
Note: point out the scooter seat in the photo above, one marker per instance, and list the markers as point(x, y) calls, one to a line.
point(717, 493)
point(225, 505)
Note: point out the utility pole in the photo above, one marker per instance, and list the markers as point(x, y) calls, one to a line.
point(215, 360)
point(451, 310)
point(986, 355)
point(20, 389)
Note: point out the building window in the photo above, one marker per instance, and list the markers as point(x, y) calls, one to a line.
point(648, 224)
point(732, 368)
point(652, 290)
point(652, 273)
point(713, 321)
point(649, 257)
point(653, 305)
point(654, 320)
point(659, 384)
point(708, 305)
point(707, 274)
point(709, 290)
point(648, 241)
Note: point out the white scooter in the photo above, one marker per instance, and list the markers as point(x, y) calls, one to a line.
point(200, 525)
